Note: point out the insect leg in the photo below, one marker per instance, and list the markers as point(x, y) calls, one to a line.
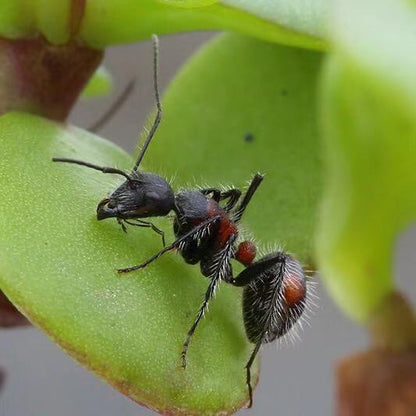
point(255, 182)
point(248, 372)
point(233, 195)
point(216, 193)
point(199, 230)
point(221, 271)
point(123, 227)
point(208, 295)
point(148, 224)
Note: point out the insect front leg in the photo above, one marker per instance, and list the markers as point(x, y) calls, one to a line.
point(194, 233)
point(216, 193)
point(233, 195)
point(148, 224)
point(121, 223)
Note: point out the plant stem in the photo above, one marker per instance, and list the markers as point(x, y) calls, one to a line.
point(43, 79)
point(393, 325)
point(9, 315)
point(382, 380)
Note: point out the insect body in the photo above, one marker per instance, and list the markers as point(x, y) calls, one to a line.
point(207, 233)
point(274, 287)
point(274, 294)
point(206, 227)
point(274, 298)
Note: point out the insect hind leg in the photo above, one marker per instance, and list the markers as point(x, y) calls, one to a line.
point(208, 295)
point(248, 373)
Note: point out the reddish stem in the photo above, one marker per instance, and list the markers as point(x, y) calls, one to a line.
point(382, 381)
point(43, 79)
point(377, 383)
point(9, 315)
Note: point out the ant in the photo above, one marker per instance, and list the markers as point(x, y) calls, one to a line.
point(206, 230)
point(274, 294)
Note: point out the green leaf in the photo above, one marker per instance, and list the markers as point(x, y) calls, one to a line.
point(57, 264)
point(369, 102)
point(302, 16)
point(189, 3)
point(99, 84)
point(59, 267)
point(228, 115)
point(53, 19)
point(15, 20)
point(100, 23)
point(25, 18)
point(126, 21)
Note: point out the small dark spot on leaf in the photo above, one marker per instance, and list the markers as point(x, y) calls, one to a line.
point(284, 92)
point(249, 137)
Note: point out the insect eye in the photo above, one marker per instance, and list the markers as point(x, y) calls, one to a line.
point(132, 185)
point(111, 205)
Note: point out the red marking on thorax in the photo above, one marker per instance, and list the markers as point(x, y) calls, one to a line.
point(226, 226)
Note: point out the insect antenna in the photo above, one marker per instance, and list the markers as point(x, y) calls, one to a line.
point(158, 105)
point(152, 131)
point(104, 169)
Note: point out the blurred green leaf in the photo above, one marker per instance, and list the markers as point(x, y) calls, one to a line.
point(302, 16)
point(53, 19)
point(127, 21)
point(369, 120)
point(230, 114)
point(99, 84)
point(57, 264)
point(16, 20)
point(101, 23)
point(20, 18)
point(189, 3)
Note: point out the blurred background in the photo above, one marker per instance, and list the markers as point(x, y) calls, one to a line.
point(296, 379)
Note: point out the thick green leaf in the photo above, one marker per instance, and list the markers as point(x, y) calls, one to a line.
point(189, 3)
point(57, 264)
point(102, 22)
point(303, 16)
point(241, 106)
point(369, 119)
point(15, 20)
point(100, 83)
point(22, 18)
point(254, 111)
point(126, 21)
